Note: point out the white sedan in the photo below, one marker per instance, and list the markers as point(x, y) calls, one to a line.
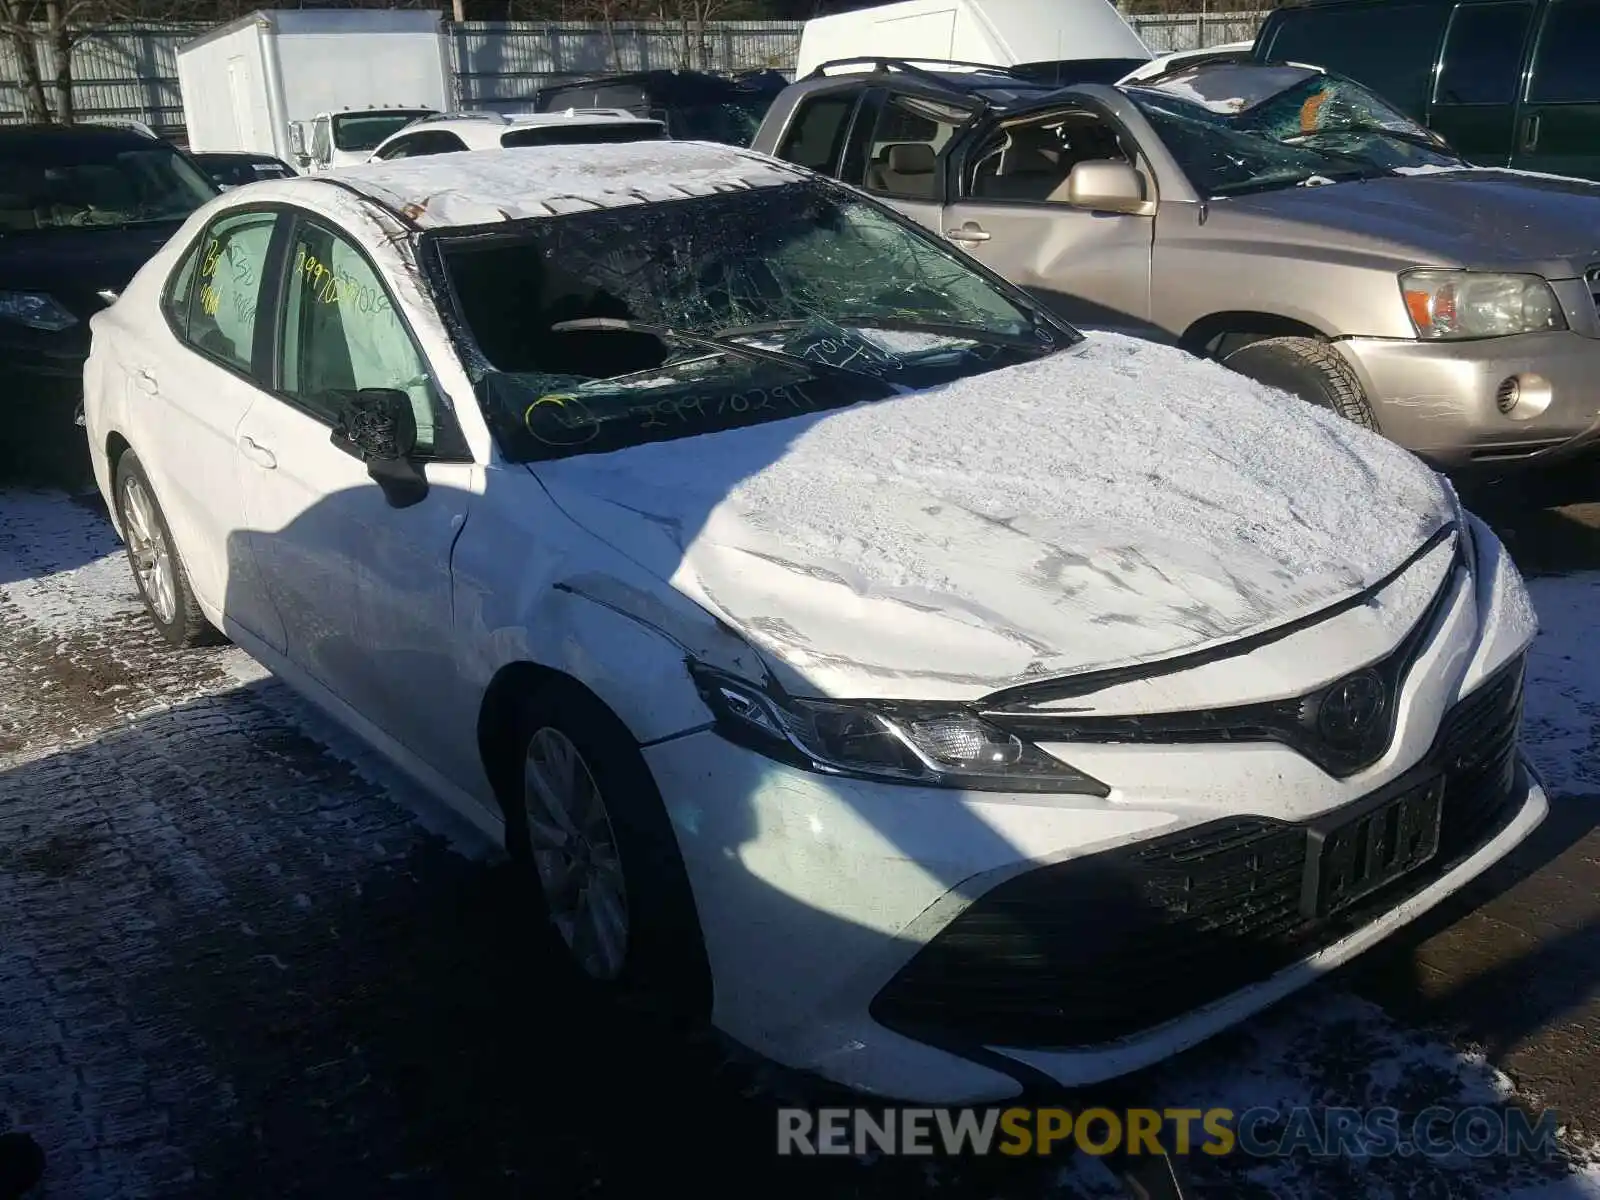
point(935, 698)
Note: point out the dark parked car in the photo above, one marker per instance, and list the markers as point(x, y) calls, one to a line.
point(81, 210)
point(695, 106)
point(236, 170)
point(1509, 83)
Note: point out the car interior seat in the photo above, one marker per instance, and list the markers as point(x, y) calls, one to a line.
point(904, 169)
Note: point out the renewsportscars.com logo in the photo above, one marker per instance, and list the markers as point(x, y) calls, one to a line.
point(1437, 1132)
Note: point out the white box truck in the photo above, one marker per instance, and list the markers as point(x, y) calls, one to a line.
point(317, 87)
point(1002, 33)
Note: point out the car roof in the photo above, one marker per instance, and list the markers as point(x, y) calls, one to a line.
point(44, 137)
point(485, 187)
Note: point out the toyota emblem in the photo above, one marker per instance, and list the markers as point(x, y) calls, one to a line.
point(1353, 709)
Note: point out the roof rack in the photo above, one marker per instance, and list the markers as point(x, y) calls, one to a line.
point(912, 66)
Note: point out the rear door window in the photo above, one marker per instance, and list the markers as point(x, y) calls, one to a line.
point(222, 308)
point(1483, 54)
point(1389, 47)
point(1566, 66)
point(815, 138)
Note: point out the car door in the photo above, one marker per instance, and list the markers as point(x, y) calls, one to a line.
point(1479, 77)
point(363, 585)
point(1011, 213)
point(190, 393)
point(1559, 127)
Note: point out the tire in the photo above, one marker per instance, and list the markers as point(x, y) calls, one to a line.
point(1309, 369)
point(662, 967)
point(171, 604)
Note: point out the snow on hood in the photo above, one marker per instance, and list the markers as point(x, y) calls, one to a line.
point(1117, 503)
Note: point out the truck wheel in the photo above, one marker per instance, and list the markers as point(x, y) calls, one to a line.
point(597, 855)
point(1309, 369)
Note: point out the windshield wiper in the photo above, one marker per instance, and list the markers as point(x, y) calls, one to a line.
point(617, 324)
point(949, 329)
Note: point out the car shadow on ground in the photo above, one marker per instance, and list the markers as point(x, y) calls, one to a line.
point(280, 986)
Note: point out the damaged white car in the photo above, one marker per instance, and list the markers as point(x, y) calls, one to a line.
point(934, 698)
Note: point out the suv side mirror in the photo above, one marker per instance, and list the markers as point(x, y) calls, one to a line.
point(1107, 186)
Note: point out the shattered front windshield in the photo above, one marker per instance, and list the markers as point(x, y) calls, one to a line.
point(599, 330)
point(1248, 128)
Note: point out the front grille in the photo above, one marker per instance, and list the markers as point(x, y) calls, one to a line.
point(1106, 946)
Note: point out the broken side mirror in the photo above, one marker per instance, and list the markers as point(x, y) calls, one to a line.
point(1104, 185)
point(379, 426)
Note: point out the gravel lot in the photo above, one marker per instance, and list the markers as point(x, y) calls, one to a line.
point(239, 957)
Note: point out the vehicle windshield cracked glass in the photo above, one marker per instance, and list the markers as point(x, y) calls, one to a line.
point(599, 330)
point(1241, 130)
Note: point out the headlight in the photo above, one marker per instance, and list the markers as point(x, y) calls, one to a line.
point(36, 310)
point(936, 745)
point(1444, 305)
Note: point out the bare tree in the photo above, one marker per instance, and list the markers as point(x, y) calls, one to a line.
point(16, 22)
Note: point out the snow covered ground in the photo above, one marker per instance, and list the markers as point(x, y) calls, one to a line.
point(239, 956)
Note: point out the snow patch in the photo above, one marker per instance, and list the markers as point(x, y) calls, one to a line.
point(1562, 723)
point(481, 187)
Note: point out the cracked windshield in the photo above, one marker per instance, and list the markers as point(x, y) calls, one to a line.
point(1236, 131)
point(608, 329)
point(79, 185)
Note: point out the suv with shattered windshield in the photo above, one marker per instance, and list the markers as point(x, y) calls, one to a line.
point(1277, 217)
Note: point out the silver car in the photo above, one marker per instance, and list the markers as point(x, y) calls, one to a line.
point(1280, 218)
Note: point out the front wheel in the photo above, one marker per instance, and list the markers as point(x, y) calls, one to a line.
point(589, 832)
point(158, 572)
point(1309, 369)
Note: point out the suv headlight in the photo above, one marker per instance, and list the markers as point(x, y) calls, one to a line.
point(36, 310)
point(935, 745)
point(1446, 305)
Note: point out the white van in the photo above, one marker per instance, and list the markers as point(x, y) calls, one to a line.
point(1005, 33)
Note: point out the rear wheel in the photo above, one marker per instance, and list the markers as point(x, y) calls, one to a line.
point(157, 570)
point(599, 859)
point(1309, 369)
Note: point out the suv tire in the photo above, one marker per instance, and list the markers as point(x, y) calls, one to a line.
point(1309, 369)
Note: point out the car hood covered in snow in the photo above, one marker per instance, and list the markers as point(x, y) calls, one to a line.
point(1113, 504)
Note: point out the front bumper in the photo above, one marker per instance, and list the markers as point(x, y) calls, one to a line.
point(829, 906)
point(1439, 398)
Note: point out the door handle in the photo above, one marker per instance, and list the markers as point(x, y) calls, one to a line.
point(1530, 132)
point(257, 453)
point(145, 382)
point(967, 233)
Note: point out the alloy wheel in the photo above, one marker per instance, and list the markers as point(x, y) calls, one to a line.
point(575, 854)
point(148, 551)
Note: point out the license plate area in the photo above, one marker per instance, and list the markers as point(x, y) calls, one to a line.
point(1350, 857)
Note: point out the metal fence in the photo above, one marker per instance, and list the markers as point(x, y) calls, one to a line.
point(132, 72)
point(1167, 32)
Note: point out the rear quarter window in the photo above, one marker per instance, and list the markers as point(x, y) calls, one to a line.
point(1389, 47)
